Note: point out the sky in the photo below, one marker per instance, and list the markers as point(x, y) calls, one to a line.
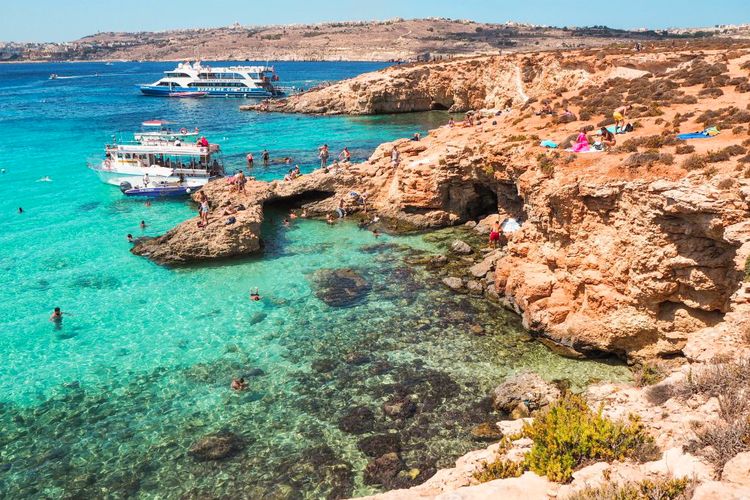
point(65, 20)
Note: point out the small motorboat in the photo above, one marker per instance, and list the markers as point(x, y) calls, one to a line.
point(188, 94)
point(160, 189)
point(53, 76)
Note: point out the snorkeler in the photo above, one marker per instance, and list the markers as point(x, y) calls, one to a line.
point(255, 294)
point(239, 384)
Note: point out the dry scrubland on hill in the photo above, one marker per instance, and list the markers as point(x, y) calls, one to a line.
point(396, 39)
point(640, 251)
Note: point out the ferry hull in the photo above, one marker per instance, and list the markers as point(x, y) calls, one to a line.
point(164, 91)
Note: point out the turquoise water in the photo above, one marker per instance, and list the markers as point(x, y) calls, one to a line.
point(109, 404)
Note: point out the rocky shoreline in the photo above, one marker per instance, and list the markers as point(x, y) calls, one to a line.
point(632, 252)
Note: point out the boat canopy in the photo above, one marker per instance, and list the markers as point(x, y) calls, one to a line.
point(155, 123)
point(164, 149)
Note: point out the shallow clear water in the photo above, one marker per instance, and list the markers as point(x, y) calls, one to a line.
point(109, 404)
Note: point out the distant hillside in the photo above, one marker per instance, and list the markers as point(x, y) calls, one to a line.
point(396, 39)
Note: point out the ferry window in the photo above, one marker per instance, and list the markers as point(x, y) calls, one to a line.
point(178, 75)
point(164, 84)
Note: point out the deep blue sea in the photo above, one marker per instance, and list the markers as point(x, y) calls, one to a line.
point(109, 405)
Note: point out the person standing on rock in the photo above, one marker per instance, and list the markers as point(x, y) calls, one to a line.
point(345, 156)
point(323, 155)
point(495, 234)
point(203, 211)
point(394, 156)
point(241, 181)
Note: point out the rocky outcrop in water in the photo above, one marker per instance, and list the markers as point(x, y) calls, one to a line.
point(340, 287)
point(488, 82)
point(216, 447)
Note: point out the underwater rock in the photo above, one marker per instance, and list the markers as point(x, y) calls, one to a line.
point(357, 358)
point(216, 446)
point(474, 287)
point(527, 388)
point(383, 470)
point(477, 329)
point(453, 283)
point(381, 367)
point(487, 431)
point(255, 372)
point(437, 261)
point(461, 247)
point(380, 444)
point(340, 287)
point(258, 318)
point(399, 407)
point(323, 365)
point(358, 420)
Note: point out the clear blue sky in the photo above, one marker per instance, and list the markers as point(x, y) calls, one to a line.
point(62, 20)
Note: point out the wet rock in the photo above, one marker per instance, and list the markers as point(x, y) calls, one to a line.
point(323, 365)
point(399, 407)
point(453, 283)
point(474, 287)
point(471, 224)
point(527, 388)
point(216, 446)
point(357, 358)
point(461, 247)
point(437, 261)
point(340, 287)
point(383, 470)
point(477, 329)
point(357, 420)
point(381, 367)
point(380, 444)
point(487, 431)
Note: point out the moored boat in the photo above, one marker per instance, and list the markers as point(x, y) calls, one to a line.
point(196, 80)
point(160, 161)
point(160, 189)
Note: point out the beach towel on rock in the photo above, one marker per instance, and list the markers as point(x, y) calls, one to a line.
point(706, 134)
point(548, 144)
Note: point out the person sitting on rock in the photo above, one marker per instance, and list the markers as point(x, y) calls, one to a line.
point(608, 138)
point(239, 384)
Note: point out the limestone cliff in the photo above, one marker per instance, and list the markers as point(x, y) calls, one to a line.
point(631, 251)
point(484, 82)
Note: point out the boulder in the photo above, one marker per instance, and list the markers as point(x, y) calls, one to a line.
point(383, 469)
point(380, 444)
point(399, 407)
point(474, 287)
point(461, 247)
point(437, 261)
point(216, 446)
point(715, 490)
point(340, 287)
point(357, 420)
point(487, 431)
point(453, 283)
point(737, 470)
point(527, 388)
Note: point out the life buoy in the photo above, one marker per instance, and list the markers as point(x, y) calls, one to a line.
point(183, 131)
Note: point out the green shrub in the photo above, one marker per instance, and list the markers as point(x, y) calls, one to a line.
point(694, 162)
point(661, 489)
point(684, 149)
point(570, 435)
point(499, 469)
point(648, 374)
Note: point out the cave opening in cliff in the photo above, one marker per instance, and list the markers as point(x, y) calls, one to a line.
point(483, 202)
point(299, 200)
point(438, 106)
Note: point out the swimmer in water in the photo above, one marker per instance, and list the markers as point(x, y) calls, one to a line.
point(255, 294)
point(286, 222)
point(130, 238)
point(20, 210)
point(56, 318)
point(239, 384)
point(45, 179)
point(143, 224)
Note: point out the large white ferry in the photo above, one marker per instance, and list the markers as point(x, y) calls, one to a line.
point(205, 81)
point(159, 161)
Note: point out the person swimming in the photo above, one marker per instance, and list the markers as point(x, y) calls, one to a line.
point(20, 210)
point(255, 294)
point(56, 317)
point(239, 384)
point(143, 224)
point(130, 238)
